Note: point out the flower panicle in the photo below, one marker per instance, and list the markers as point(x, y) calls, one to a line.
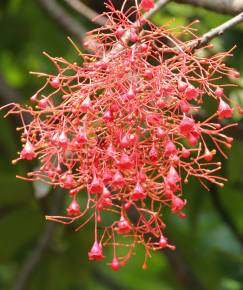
point(124, 129)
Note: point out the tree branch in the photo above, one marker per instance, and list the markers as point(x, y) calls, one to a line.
point(35, 257)
point(217, 31)
point(86, 11)
point(69, 24)
point(231, 7)
point(183, 272)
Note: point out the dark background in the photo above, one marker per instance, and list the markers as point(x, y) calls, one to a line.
point(40, 255)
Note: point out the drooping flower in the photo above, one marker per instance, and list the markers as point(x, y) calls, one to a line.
point(74, 208)
point(115, 265)
point(123, 226)
point(28, 151)
point(96, 252)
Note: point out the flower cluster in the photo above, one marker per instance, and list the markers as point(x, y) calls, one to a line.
point(123, 130)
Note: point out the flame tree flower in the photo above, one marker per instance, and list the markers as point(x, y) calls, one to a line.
point(120, 129)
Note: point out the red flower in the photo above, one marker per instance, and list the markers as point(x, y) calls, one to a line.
point(224, 110)
point(74, 208)
point(123, 226)
point(115, 265)
point(147, 5)
point(28, 151)
point(96, 252)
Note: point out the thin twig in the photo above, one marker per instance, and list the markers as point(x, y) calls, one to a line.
point(38, 251)
point(235, 132)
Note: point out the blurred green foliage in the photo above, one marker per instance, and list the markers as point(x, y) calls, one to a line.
point(204, 239)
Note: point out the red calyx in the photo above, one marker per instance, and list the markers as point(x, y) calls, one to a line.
point(208, 155)
point(185, 153)
point(160, 133)
point(219, 92)
point(148, 74)
point(147, 5)
point(67, 181)
point(96, 186)
point(177, 204)
point(55, 83)
point(224, 110)
point(186, 124)
point(138, 192)
point(81, 138)
point(163, 242)
point(184, 106)
point(192, 138)
point(123, 226)
point(108, 117)
point(43, 103)
point(118, 179)
point(125, 162)
point(28, 151)
point(63, 140)
point(115, 265)
point(153, 154)
point(125, 141)
point(191, 92)
point(172, 178)
point(74, 208)
point(170, 148)
point(182, 86)
point(96, 252)
point(120, 31)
